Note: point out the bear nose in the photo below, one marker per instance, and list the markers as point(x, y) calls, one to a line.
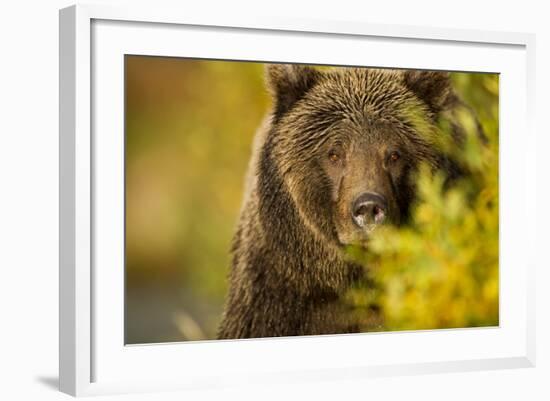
point(369, 208)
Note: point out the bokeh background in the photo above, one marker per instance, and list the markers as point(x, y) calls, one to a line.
point(189, 128)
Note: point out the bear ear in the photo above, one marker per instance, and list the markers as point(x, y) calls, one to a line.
point(432, 87)
point(288, 83)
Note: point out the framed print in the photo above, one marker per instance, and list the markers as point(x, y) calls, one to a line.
point(233, 193)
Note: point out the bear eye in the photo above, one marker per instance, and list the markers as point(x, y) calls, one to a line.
point(394, 156)
point(333, 156)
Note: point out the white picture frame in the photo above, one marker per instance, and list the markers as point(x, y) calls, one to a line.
point(94, 359)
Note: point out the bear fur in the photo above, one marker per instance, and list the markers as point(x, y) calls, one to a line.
point(331, 135)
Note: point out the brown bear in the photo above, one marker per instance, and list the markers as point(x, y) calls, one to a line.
point(333, 160)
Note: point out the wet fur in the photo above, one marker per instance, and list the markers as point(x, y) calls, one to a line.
point(288, 270)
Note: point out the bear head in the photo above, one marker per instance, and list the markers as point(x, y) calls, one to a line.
point(347, 142)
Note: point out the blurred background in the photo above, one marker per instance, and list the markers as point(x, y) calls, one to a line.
point(189, 128)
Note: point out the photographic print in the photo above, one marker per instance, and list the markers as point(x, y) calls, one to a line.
point(269, 199)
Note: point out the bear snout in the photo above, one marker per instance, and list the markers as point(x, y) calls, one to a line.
point(369, 208)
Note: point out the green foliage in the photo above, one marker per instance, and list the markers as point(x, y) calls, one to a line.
point(441, 270)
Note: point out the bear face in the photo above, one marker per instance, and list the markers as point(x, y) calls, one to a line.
point(347, 143)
